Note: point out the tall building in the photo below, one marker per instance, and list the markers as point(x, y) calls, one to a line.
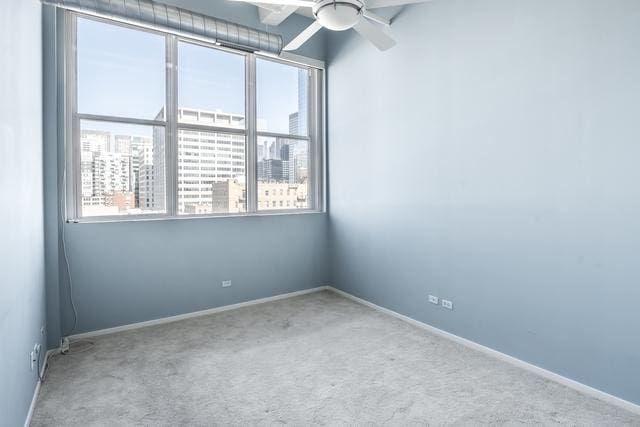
point(141, 162)
point(140, 150)
point(298, 125)
point(283, 160)
point(95, 141)
point(299, 161)
point(284, 152)
point(121, 144)
point(155, 200)
point(204, 158)
point(273, 170)
point(146, 189)
point(298, 120)
point(293, 122)
point(108, 168)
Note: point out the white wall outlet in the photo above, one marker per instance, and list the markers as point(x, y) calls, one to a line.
point(64, 344)
point(226, 283)
point(447, 304)
point(433, 300)
point(35, 354)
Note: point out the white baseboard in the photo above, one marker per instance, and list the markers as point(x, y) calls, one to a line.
point(582, 388)
point(194, 314)
point(36, 392)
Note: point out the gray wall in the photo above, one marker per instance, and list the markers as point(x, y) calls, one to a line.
point(135, 271)
point(491, 158)
point(21, 223)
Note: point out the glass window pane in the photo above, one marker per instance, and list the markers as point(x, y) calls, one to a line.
point(282, 97)
point(122, 169)
point(211, 172)
point(210, 86)
point(283, 173)
point(121, 71)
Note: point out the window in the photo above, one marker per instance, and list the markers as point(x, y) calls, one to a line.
point(210, 86)
point(165, 126)
point(283, 134)
point(120, 84)
point(283, 171)
point(282, 98)
point(121, 71)
point(211, 96)
point(118, 167)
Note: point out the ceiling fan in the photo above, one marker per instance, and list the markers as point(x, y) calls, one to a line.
point(341, 15)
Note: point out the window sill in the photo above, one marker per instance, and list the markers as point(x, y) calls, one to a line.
point(146, 218)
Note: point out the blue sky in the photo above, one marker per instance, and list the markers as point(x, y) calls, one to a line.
point(121, 72)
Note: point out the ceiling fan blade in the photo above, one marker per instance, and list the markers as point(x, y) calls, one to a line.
point(297, 3)
point(374, 34)
point(374, 4)
point(376, 18)
point(305, 35)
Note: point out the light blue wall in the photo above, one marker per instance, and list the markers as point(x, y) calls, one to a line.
point(135, 271)
point(492, 158)
point(22, 291)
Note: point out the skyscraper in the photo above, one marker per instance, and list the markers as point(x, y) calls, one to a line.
point(273, 170)
point(204, 158)
point(108, 169)
point(156, 199)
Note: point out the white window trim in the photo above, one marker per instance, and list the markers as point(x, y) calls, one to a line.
point(315, 138)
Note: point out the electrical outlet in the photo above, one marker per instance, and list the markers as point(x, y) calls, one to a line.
point(433, 300)
point(35, 354)
point(447, 304)
point(226, 283)
point(64, 344)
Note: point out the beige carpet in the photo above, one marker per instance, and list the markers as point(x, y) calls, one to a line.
point(315, 359)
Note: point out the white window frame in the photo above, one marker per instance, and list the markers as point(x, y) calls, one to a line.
point(72, 118)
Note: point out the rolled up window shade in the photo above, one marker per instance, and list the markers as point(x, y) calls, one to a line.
point(174, 19)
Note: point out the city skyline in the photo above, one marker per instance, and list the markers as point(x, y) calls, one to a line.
point(124, 173)
point(123, 167)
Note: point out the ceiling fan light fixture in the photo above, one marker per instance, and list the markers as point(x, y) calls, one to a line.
point(338, 15)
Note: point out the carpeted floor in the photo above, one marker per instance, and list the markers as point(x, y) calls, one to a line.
point(314, 359)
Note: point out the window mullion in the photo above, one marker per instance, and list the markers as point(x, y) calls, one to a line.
point(171, 134)
point(71, 132)
point(316, 131)
point(312, 201)
point(251, 141)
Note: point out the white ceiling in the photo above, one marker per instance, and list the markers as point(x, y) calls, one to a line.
point(272, 14)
